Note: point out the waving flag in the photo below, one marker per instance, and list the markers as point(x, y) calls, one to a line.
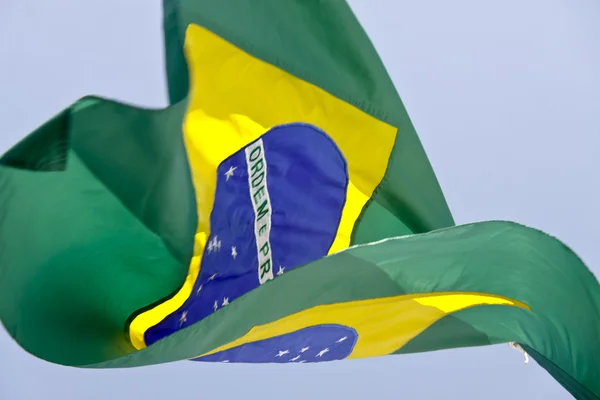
point(281, 209)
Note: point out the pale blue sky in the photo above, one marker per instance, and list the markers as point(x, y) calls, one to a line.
point(505, 95)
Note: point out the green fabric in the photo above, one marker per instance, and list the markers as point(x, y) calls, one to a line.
point(502, 258)
point(97, 218)
point(98, 221)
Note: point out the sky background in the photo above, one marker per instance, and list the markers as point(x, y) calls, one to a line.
point(505, 96)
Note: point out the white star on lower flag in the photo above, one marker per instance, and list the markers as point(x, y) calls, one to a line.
point(322, 352)
point(282, 353)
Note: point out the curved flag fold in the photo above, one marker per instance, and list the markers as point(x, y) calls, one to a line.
point(280, 210)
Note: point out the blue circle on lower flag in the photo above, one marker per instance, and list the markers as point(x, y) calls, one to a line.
point(318, 343)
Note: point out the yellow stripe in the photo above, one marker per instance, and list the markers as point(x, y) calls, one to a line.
point(235, 98)
point(383, 325)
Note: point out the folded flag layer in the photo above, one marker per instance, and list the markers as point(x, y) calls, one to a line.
point(280, 209)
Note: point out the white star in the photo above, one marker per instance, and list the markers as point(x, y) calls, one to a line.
point(322, 352)
point(304, 349)
point(212, 277)
point(225, 301)
point(282, 353)
point(233, 252)
point(295, 358)
point(216, 305)
point(280, 272)
point(342, 339)
point(183, 318)
point(199, 289)
point(229, 172)
point(214, 244)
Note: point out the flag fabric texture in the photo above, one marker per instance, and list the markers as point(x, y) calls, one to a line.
point(280, 209)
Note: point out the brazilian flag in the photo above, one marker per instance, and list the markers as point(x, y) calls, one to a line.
point(280, 209)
